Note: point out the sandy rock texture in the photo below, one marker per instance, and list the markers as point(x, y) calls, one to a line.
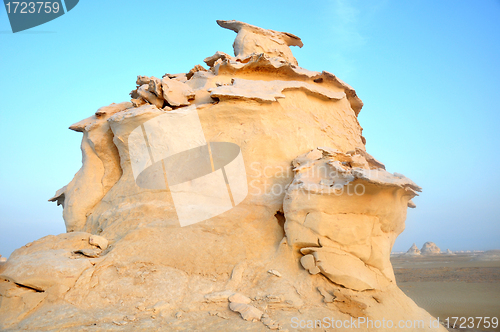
point(311, 239)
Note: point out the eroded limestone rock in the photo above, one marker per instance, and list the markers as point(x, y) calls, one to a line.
point(100, 169)
point(309, 263)
point(345, 269)
point(194, 70)
point(247, 311)
point(141, 80)
point(176, 93)
point(252, 39)
point(91, 253)
point(210, 61)
point(306, 225)
point(269, 323)
point(279, 67)
point(98, 241)
point(47, 262)
point(239, 298)
point(269, 91)
point(336, 210)
point(327, 297)
point(153, 99)
point(155, 86)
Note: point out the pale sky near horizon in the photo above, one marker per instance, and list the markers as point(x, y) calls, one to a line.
point(427, 71)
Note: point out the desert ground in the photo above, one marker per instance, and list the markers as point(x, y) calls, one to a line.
point(458, 285)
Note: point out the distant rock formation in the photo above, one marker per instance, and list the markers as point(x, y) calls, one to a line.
point(311, 238)
point(490, 255)
point(3, 259)
point(413, 250)
point(449, 252)
point(430, 248)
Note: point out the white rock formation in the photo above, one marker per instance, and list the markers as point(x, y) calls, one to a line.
point(335, 211)
point(490, 255)
point(254, 40)
point(312, 237)
point(413, 251)
point(430, 248)
point(100, 170)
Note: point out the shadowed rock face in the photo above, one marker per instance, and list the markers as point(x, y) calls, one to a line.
point(314, 233)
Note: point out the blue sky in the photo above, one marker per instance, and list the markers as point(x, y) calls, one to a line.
point(427, 71)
